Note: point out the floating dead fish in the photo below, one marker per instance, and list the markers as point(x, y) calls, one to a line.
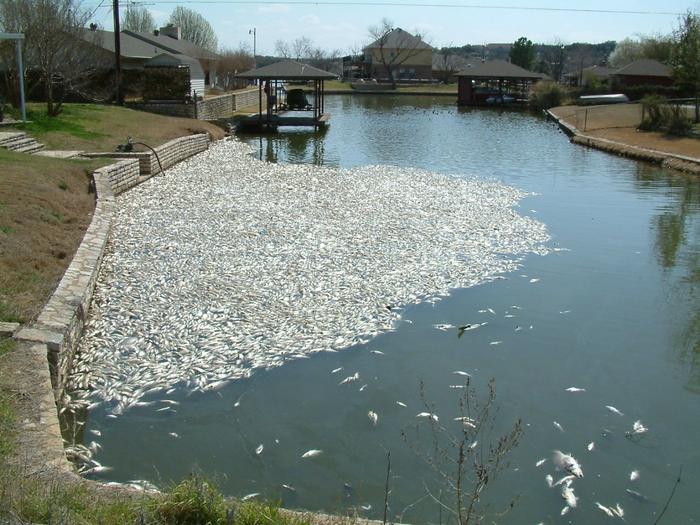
point(173, 434)
point(567, 462)
point(336, 370)
point(461, 373)
point(259, 449)
point(614, 410)
point(312, 453)
point(575, 389)
point(401, 404)
point(558, 426)
point(591, 446)
point(350, 379)
point(250, 496)
point(378, 352)
point(540, 462)
point(427, 415)
point(494, 343)
point(535, 280)
point(96, 432)
point(638, 428)
point(362, 388)
point(605, 509)
point(637, 495)
point(568, 494)
point(634, 475)
point(373, 417)
point(288, 487)
point(550, 480)
point(565, 481)
point(443, 327)
point(564, 511)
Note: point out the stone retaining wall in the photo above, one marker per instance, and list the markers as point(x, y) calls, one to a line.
point(210, 108)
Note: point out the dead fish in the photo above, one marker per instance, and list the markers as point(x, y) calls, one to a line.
point(401, 404)
point(366, 507)
point(614, 410)
point(534, 280)
point(605, 509)
point(618, 511)
point(575, 389)
point(558, 426)
point(173, 434)
point(469, 327)
point(428, 415)
point(288, 487)
point(638, 428)
point(541, 462)
point(250, 496)
point(591, 446)
point(568, 494)
point(373, 417)
point(550, 480)
point(564, 511)
point(461, 373)
point(336, 370)
point(493, 343)
point(564, 312)
point(378, 352)
point(443, 327)
point(259, 449)
point(637, 495)
point(96, 432)
point(362, 388)
point(312, 453)
point(634, 475)
point(566, 480)
point(351, 378)
point(567, 462)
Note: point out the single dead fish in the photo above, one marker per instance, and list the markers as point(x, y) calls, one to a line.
point(443, 327)
point(605, 509)
point(564, 511)
point(259, 450)
point(461, 373)
point(351, 378)
point(312, 453)
point(427, 415)
point(568, 463)
point(591, 446)
point(558, 426)
point(568, 494)
point(566, 480)
point(575, 389)
point(541, 462)
point(634, 475)
point(637, 495)
point(373, 417)
point(639, 428)
point(401, 404)
point(250, 496)
point(550, 480)
point(614, 410)
point(336, 370)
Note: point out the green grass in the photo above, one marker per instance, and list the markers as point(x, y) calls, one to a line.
point(7, 416)
point(72, 121)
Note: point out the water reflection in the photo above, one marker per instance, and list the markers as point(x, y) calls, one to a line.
point(677, 244)
point(293, 145)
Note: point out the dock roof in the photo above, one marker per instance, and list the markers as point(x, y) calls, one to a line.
point(499, 69)
point(288, 70)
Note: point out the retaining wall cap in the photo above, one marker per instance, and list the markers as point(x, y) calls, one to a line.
point(53, 340)
point(7, 329)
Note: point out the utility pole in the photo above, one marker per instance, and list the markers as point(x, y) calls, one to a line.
point(117, 53)
point(254, 32)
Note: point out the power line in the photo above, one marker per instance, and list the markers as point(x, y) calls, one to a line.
point(421, 4)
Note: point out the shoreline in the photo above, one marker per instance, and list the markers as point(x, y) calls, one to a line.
point(664, 159)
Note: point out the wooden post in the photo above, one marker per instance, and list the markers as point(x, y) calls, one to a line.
point(117, 53)
point(260, 102)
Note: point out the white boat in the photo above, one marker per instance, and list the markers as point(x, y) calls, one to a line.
point(618, 98)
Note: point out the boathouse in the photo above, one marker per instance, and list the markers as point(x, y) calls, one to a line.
point(494, 82)
point(280, 103)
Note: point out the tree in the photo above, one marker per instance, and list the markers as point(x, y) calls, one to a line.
point(522, 53)
point(234, 61)
point(656, 47)
point(57, 47)
point(195, 27)
point(393, 46)
point(686, 56)
point(138, 18)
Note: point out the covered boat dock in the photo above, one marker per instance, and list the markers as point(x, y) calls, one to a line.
point(494, 82)
point(284, 106)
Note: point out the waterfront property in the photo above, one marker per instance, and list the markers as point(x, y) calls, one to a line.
point(494, 82)
point(285, 106)
point(644, 72)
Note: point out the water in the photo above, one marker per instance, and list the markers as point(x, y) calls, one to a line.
point(617, 315)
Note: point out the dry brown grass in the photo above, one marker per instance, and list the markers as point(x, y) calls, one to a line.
point(45, 208)
point(91, 127)
point(617, 126)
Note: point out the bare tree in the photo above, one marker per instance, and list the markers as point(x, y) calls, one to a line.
point(234, 61)
point(282, 49)
point(393, 47)
point(195, 27)
point(467, 460)
point(58, 49)
point(138, 18)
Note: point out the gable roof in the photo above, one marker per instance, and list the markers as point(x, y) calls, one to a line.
point(645, 67)
point(498, 69)
point(173, 45)
point(288, 70)
point(169, 59)
point(129, 46)
point(399, 39)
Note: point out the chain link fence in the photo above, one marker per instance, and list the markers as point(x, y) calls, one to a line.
point(620, 115)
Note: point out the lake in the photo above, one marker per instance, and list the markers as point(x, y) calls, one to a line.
point(614, 309)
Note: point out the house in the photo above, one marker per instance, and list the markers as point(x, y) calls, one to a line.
point(585, 76)
point(493, 82)
point(133, 52)
point(406, 55)
point(169, 39)
point(181, 61)
point(644, 72)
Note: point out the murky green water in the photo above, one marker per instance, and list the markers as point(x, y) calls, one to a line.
point(618, 315)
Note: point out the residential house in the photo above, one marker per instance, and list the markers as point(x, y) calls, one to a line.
point(644, 72)
point(407, 55)
point(169, 39)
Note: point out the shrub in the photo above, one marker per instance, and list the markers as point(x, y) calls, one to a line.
point(545, 95)
point(660, 115)
point(195, 501)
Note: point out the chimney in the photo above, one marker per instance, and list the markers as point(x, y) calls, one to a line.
point(171, 31)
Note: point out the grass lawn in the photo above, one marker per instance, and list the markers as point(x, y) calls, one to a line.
point(93, 127)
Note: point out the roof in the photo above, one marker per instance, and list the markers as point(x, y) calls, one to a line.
point(129, 46)
point(499, 69)
point(173, 45)
point(288, 70)
point(169, 59)
point(398, 39)
point(644, 68)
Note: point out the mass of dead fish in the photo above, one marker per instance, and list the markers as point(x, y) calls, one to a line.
point(228, 264)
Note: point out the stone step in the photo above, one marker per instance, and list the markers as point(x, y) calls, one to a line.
point(19, 143)
point(32, 148)
point(11, 136)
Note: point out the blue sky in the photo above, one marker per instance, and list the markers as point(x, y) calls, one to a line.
point(344, 27)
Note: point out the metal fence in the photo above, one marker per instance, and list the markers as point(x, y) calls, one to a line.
point(619, 115)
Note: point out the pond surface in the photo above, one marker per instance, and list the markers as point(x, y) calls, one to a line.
point(614, 309)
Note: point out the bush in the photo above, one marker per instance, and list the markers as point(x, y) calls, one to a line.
point(545, 95)
point(195, 501)
point(660, 115)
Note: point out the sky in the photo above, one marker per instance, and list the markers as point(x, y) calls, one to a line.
point(338, 25)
